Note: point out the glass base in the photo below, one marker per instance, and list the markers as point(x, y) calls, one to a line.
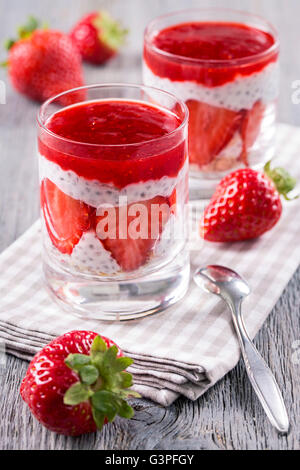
point(94, 298)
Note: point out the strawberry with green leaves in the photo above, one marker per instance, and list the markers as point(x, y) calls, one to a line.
point(246, 204)
point(98, 37)
point(42, 63)
point(78, 383)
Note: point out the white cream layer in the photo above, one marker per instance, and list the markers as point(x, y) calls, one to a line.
point(89, 256)
point(239, 94)
point(94, 193)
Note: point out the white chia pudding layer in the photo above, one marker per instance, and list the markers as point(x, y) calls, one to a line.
point(94, 193)
point(239, 94)
point(89, 256)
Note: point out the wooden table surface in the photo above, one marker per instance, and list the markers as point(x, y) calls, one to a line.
point(228, 416)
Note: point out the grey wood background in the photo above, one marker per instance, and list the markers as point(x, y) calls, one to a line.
point(228, 416)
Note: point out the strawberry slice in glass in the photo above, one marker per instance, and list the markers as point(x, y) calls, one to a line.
point(210, 129)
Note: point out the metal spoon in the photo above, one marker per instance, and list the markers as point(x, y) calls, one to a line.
point(232, 288)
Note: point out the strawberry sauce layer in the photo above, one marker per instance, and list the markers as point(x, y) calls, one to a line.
point(115, 142)
point(186, 51)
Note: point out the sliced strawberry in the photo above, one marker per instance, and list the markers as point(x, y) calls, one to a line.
point(251, 128)
point(66, 218)
point(131, 233)
point(210, 130)
point(172, 201)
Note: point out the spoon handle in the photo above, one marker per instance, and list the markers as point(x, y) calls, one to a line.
point(260, 376)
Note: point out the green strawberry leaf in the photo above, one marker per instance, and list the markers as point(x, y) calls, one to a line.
point(77, 361)
point(110, 31)
point(99, 418)
point(8, 44)
point(126, 379)
point(132, 394)
point(97, 360)
point(105, 366)
point(103, 381)
point(128, 394)
point(88, 374)
point(125, 410)
point(122, 363)
point(110, 355)
point(23, 33)
point(283, 181)
point(76, 394)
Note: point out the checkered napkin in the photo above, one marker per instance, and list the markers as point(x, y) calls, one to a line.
point(190, 346)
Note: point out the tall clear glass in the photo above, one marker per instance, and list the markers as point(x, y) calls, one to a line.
point(114, 215)
point(232, 102)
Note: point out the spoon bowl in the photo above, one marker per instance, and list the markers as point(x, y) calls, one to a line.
point(220, 280)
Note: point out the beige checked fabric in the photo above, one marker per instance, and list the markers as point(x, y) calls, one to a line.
point(190, 346)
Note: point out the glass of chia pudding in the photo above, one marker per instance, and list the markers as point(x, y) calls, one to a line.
point(224, 65)
point(113, 167)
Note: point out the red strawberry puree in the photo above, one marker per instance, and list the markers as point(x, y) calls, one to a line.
point(227, 75)
point(110, 152)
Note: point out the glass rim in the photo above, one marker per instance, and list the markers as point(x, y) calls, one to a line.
point(195, 61)
point(112, 85)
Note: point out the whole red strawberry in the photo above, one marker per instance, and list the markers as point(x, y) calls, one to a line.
point(98, 37)
point(43, 63)
point(246, 204)
point(77, 383)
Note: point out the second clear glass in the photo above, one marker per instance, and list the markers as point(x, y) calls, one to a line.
point(240, 91)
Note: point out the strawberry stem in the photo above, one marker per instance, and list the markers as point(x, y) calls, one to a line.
point(282, 179)
point(103, 381)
